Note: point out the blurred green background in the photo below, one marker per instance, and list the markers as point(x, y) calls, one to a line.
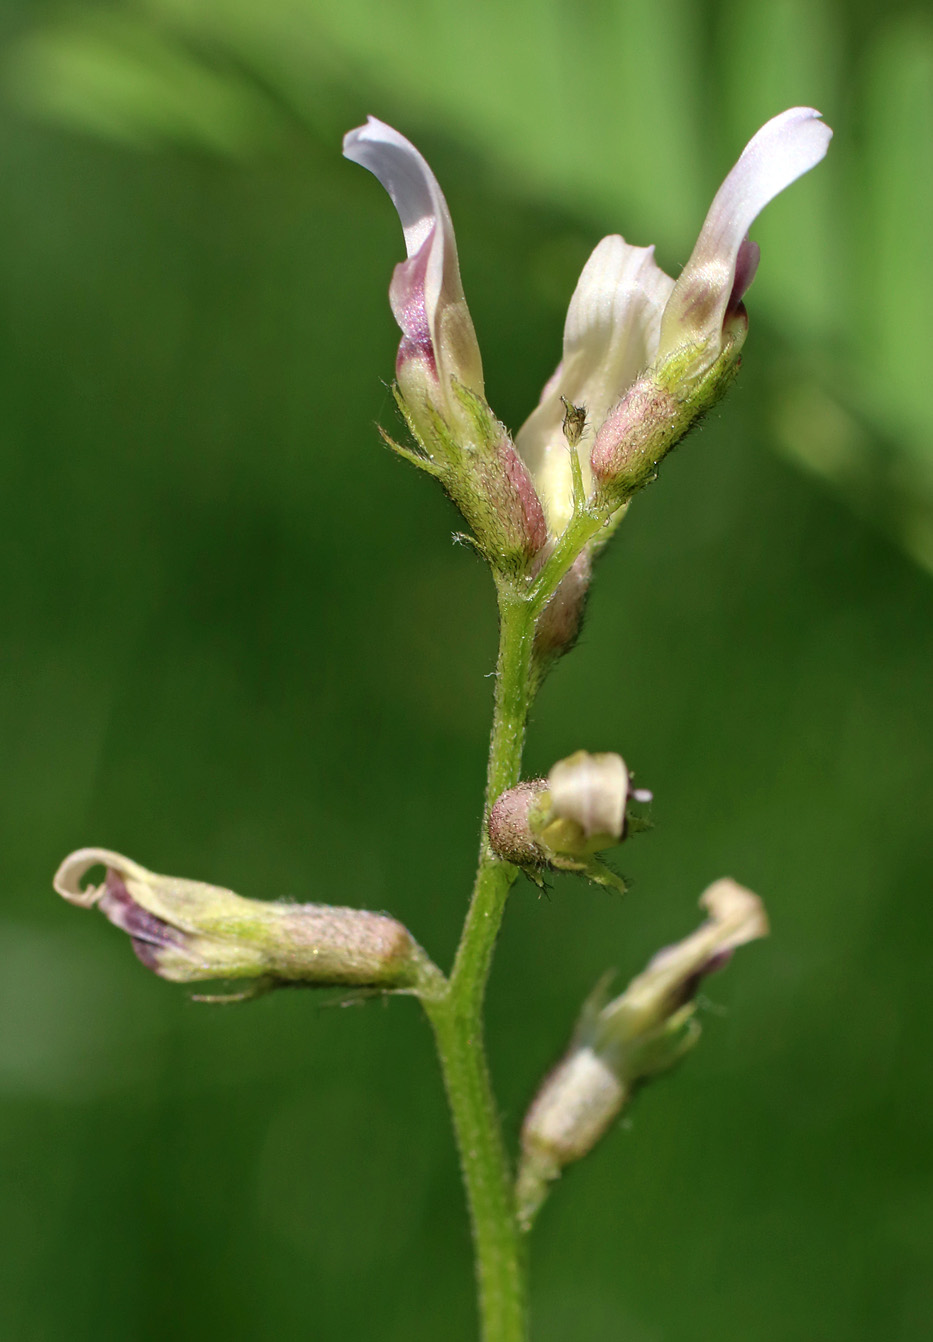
point(238, 645)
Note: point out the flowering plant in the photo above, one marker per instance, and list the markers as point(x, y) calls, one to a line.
point(644, 357)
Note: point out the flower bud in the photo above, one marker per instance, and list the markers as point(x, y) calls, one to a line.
point(655, 414)
point(187, 931)
point(620, 1044)
point(559, 623)
point(563, 821)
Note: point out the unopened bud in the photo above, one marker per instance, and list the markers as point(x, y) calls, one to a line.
point(187, 931)
point(622, 1043)
point(563, 821)
point(559, 623)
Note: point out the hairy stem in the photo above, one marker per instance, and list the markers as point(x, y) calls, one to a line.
point(456, 1012)
point(582, 528)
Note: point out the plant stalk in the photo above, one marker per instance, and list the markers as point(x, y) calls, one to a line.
point(456, 1013)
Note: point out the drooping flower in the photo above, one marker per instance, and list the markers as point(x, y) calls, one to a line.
point(621, 1043)
point(187, 931)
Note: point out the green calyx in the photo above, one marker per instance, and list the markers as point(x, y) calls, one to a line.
point(475, 460)
point(656, 414)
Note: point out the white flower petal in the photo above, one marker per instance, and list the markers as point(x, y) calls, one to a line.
point(67, 880)
point(426, 293)
point(610, 337)
point(722, 264)
point(591, 790)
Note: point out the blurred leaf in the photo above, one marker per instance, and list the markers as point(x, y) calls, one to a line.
point(118, 75)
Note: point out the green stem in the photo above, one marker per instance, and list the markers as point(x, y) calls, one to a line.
point(584, 525)
point(455, 1007)
point(456, 1013)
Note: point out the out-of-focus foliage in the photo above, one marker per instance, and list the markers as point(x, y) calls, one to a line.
point(238, 645)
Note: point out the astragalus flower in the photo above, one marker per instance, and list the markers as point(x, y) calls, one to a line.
point(438, 367)
point(647, 356)
point(643, 356)
point(621, 1043)
point(187, 931)
point(560, 823)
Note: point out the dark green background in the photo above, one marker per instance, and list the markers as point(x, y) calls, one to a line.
point(239, 646)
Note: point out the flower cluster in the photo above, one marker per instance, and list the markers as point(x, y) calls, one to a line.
point(644, 356)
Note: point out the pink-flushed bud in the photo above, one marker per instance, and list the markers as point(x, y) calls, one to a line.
point(560, 622)
point(439, 371)
point(509, 824)
point(187, 931)
point(561, 822)
point(645, 357)
point(622, 1043)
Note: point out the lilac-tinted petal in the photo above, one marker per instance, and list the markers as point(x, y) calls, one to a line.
point(409, 307)
point(610, 336)
point(719, 270)
point(117, 904)
point(746, 267)
point(427, 294)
